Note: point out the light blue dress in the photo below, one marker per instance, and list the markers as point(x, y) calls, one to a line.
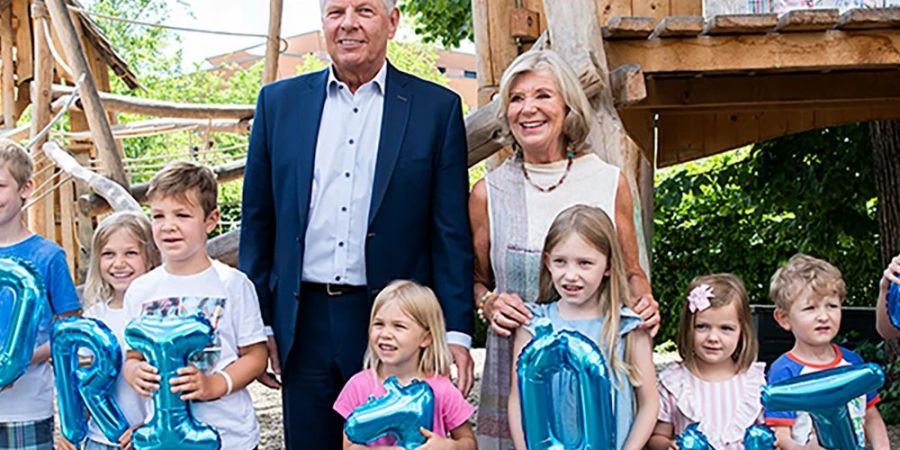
point(565, 386)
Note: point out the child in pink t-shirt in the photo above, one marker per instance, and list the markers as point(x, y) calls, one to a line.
point(407, 341)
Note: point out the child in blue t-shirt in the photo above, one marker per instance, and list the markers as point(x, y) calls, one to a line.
point(26, 406)
point(808, 294)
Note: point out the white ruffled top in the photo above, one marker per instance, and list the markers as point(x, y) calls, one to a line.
point(723, 409)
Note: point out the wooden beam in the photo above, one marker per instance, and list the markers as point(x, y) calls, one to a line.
point(808, 20)
point(22, 25)
point(686, 7)
point(270, 71)
point(607, 9)
point(7, 82)
point(40, 215)
point(113, 193)
point(628, 84)
point(155, 127)
point(147, 107)
point(831, 50)
point(770, 91)
point(95, 204)
point(678, 26)
point(869, 19)
point(741, 24)
point(629, 27)
point(688, 136)
point(483, 49)
point(103, 138)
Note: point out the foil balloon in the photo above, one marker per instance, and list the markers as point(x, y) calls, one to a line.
point(824, 395)
point(167, 343)
point(26, 287)
point(692, 439)
point(759, 437)
point(399, 413)
point(88, 388)
point(570, 355)
point(893, 304)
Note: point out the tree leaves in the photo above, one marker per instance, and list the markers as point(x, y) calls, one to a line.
point(750, 210)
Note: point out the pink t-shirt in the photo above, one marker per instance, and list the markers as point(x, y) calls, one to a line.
point(450, 408)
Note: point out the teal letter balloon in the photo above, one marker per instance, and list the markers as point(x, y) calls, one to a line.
point(167, 343)
point(567, 353)
point(824, 395)
point(400, 413)
point(92, 387)
point(28, 302)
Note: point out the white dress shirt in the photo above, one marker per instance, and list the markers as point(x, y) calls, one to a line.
point(343, 176)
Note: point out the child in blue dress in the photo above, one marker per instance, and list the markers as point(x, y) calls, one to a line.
point(584, 288)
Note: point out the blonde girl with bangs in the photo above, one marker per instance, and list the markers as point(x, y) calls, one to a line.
point(407, 340)
point(718, 381)
point(584, 288)
point(123, 250)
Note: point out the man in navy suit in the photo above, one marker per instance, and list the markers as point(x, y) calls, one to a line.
point(356, 176)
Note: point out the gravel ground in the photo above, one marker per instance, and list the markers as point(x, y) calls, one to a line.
point(268, 406)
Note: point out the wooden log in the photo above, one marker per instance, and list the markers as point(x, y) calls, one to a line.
point(24, 66)
point(629, 27)
point(808, 20)
point(832, 50)
point(628, 84)
point(103, 138)
point(869, 19)
point(114, 194)
point(224, 247)
point(525, 24)
point(678, 26)
point(40, 215)
point(483, 50)
point(741, 24)
point(7, 82)
point(155, 127)
point(147, 107)
point(15, 134)
point(270, 70)
point(97, 204)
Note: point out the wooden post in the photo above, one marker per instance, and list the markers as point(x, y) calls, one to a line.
point(270, 71)
point(575, 33)
point(40, 215)
point(7, 87)
point(97, 120)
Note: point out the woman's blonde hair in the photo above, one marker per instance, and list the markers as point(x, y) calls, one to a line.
point(594, 226)
point(137, 226)
point(579, 113)
point(420, 304)
point(727, 289)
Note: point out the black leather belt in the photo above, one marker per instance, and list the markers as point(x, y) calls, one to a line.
point(332, 290)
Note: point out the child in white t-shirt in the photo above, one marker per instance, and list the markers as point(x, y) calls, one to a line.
point(183, 210)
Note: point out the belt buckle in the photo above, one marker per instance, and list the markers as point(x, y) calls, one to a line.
point(331, 293)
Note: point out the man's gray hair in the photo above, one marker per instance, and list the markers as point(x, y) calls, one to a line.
point(388, 5)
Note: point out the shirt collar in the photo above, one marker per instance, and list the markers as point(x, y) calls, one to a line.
point(379, 79)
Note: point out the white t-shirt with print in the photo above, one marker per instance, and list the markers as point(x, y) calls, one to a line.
point(133, 406)
point(227, 298)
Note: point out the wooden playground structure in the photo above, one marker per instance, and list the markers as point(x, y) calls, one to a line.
point(668, 86)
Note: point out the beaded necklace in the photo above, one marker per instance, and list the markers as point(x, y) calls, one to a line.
point(570, 156)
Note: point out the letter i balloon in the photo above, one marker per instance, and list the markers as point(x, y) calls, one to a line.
point(167, 343)
point(22, 282)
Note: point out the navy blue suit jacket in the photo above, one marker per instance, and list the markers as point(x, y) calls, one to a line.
point(418, 219)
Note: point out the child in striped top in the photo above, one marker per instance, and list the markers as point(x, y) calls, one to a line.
point(718, 382)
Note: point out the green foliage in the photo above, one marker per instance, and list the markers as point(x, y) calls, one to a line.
point(446, 21)
point(748, 211)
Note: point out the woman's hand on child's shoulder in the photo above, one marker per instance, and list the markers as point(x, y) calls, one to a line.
point(194, 384)
point(142, 377)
